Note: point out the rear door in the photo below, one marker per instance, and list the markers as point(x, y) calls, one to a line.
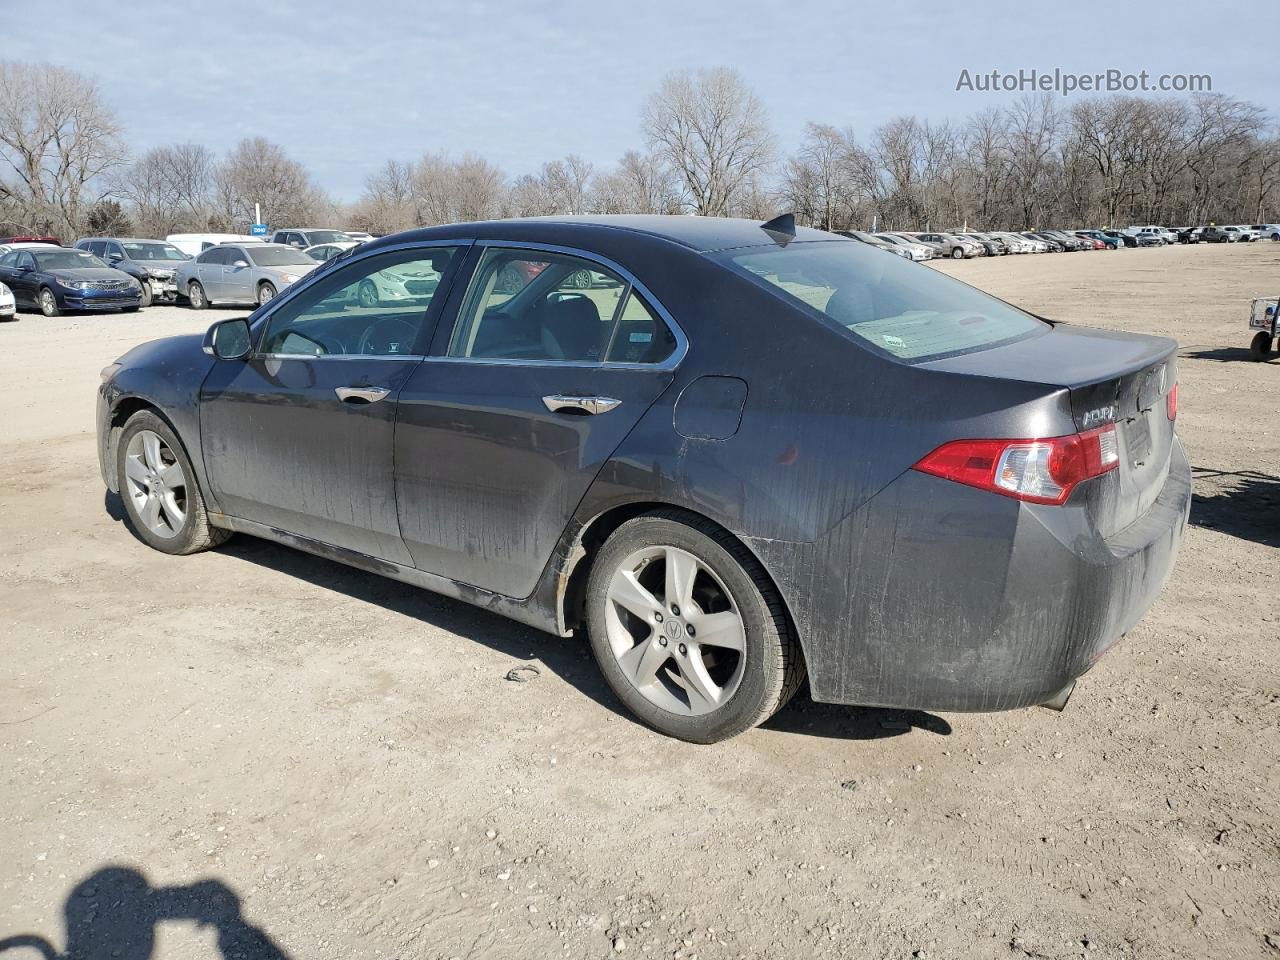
point(553, 358)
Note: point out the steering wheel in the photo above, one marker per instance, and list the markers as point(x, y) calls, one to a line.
point(380, 336)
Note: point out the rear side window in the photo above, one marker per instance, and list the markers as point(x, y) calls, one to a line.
point(908, 311)
point(527, 305)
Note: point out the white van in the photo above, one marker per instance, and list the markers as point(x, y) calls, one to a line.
point(194, 244)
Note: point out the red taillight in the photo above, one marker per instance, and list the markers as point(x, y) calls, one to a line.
point(1038, 471)
point(1171, 403)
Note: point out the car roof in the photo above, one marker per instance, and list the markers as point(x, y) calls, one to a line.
point(703, 234)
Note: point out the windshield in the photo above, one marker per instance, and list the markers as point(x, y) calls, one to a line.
point(279, 257)
point(152, 250)
point(327, 236)
point(65, 259)
point(907, 311)
point(890, 238)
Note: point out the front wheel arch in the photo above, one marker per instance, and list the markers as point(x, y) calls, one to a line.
point(125, 408)
point(575, 571)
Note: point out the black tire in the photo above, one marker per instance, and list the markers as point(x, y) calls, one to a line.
point(266, 293)
point(130, 309)
point(773, 666)
point(148, 297)
point(1260, 346)
point(196, 296)
point(196, 533)
point(47, 302)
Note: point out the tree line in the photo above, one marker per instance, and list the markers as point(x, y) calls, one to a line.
point(706, 148)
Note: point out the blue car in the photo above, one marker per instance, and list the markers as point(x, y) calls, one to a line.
point(54, 279)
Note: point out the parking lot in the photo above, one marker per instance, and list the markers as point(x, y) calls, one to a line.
point(344, 758)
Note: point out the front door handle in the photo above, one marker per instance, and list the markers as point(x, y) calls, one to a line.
point(361, 394)
point(558, 403)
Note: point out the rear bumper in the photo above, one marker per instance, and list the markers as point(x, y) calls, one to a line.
point(936, 596)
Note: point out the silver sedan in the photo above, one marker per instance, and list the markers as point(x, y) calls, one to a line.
point(231, 273)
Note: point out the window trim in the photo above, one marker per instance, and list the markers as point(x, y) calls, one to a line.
point(263, 323)
point(652, 302)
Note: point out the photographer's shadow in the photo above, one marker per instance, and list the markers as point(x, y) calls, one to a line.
point(113, 914)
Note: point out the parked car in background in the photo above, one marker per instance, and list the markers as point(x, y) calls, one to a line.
point(1124, 238)
point(48, 241)
point(242, 273)
point(53, 279)
point(327, 251)
point(949, 245)
point(359, 236)
point(1247, 234)
point(153, 263)
point(8, 307)
point(194, 243)
point(874, 241)
point(991, 246)
point(22, 245)
point(1055, 246)
point(1217, 234)
point(1097, 236)
point(1188, 234)
point(1069, 241)
point(918, 251)
point(304, 237)
point(578, 458)
point(1266, 231)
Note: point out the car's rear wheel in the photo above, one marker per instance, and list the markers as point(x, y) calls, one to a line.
point(196, 297)
point(159, 489)
point(687, 629)
point(266, 293)
point(48, 303)
point(1260, 346)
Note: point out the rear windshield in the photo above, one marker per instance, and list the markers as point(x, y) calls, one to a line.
point(279, 257)
point(909, 311)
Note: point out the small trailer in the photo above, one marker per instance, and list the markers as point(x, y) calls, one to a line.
point(1264, 313)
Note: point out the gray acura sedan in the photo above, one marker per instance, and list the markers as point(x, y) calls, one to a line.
point(742, 454)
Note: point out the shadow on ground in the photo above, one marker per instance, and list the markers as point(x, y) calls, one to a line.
point(1243, 503)
point(1221, 354)
point(568, 658)
point(114, 912)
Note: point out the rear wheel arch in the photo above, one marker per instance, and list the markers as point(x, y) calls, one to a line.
point(582, 553)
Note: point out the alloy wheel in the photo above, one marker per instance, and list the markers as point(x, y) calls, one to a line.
point(155, 484)
point(675, 630)
point(48, 303)
point(266, 292)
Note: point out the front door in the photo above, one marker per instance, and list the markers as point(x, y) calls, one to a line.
point(299, 436)
point(552, 361)
point(209, 272)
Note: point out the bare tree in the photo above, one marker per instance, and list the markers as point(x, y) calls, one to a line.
point(713, 132)
point(257, 171)
point(641, 183)
point(170, 188)
point(58, 140)
point(1034, 124)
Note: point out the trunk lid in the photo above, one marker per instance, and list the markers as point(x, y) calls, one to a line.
point(1111, 377)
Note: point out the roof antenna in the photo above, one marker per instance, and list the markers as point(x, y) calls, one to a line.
point(781, 229)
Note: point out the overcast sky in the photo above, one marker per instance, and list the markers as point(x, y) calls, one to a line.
point(345, 86)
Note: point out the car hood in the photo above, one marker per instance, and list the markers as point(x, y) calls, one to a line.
point(88, 273)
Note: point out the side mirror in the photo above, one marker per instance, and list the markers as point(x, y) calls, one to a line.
point(115, 258)
point(240, 264)
point(228, 339)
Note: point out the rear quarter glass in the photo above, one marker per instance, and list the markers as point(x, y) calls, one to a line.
point(902, 310)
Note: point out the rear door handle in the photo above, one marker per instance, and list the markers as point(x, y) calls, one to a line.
point(559, 403)
point(361, 394)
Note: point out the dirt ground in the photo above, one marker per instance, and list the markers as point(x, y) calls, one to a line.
point(256, 753)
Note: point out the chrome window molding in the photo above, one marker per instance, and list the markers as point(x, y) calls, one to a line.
point(670, 363)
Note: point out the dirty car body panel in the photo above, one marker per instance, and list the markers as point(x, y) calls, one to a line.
point(787, 413)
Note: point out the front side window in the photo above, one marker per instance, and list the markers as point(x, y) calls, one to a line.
point(374, 307)
point(526, 305)
point(212, 255)
point(908, 313)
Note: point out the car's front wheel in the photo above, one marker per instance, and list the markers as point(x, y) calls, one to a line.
point(147, 296)
point(957, 253)
point(266, 293)
point(49, 303)
point(159, 489)
point(687, 629)
point(1260, 346)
